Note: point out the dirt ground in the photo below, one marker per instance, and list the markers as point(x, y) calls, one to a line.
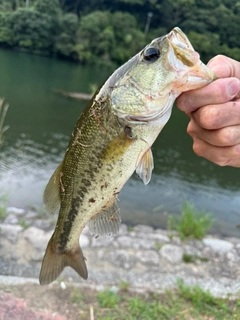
point(34, 302)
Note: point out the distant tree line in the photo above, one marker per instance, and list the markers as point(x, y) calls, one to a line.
point(109, 32)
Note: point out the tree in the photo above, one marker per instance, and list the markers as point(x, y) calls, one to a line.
point(6, 32)
point(32, 30)
point(65, 43)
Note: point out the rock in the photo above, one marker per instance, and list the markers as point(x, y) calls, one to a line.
point(16, 211)
point(37, 237)
point(11, 232)
point(102, 242)
point(41, 224)
point(148, 258)
point(172, 253)
point(136, 243)
point(122, 259)
point(123, 229)
point(31, 214)
point(176, 240)
point(143, 228)
point(160, 238)
point(157, 237)
point(217, 245)
point(11, 219)
point(191, 250)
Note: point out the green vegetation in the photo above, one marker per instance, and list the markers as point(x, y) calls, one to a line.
point(3, 112)
point(184, 303)
point(109, 32)
point(4, 198)
point(191, 224)
point(189, 258)
point(23, 223)
point(108, 299)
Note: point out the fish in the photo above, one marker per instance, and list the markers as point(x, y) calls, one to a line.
point(111, 139)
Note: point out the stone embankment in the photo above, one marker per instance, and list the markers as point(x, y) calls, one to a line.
point(145, 258)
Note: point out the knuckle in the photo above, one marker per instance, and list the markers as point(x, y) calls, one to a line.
point(197, 148)
point(226, 137)
point(190, 128)
point(207, 117)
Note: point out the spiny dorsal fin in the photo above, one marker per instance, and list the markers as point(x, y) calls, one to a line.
point(107, 222)
point(145, 166)
point(51, 197)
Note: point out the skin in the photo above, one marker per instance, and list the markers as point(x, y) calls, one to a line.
point(214, 113)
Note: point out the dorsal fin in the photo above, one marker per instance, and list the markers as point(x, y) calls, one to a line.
point(51, 197)
point(107, 222)
point(145, 166)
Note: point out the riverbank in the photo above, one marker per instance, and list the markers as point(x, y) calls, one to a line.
point(145, 258)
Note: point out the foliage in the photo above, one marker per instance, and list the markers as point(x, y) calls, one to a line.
point(110, 32)
point(191, 224)
point(182, 303)
point(4, 198)
point(32, 29)
point(108, 299)
point(3, 112)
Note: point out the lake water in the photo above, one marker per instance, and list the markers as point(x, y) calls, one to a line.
point(41, 123)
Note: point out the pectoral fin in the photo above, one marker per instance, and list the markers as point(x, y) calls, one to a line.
point(145, 166)
point(51, 197)
point(107, 222)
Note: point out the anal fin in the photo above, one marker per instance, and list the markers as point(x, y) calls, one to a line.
point(107, 222)
point(145, 166)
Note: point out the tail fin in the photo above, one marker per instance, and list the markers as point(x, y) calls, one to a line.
point(54, 263)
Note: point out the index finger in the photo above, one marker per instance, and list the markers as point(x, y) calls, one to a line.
point(224, 67)
point(220, 91)
point(217, 92)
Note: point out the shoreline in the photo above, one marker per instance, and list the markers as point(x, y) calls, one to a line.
point(145, 258)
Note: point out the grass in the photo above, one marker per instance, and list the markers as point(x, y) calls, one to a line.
point(189, 258)
point(3, 112)
point(22, 222)
point(192, 223)
point(4, 198)
point(183, 303)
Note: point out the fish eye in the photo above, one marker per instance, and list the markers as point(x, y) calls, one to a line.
point(151, 54)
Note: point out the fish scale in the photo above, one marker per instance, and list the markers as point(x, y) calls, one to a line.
point(112, 139)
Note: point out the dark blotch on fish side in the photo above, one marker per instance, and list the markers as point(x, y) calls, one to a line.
point(86, 182)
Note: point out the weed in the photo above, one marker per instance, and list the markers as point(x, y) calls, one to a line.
point(4, 198)
point(93, 88)
point(77, 297)
point(190, 258)
point(3, 112)
point(158, 245)
point(183, 303)
point(191, 224)
point(123, 285)
point(203, 301)
point(22, 222)
point(108, 299)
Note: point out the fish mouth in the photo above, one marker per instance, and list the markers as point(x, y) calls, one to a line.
point(184, 53)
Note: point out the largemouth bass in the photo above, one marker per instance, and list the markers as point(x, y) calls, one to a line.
point(112, 139)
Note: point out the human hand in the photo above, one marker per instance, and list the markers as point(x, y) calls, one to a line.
point(214, 113)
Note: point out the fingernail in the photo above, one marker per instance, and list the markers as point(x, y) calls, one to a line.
point(234, 87)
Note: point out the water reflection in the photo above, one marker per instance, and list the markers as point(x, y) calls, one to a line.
point(40, 126)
